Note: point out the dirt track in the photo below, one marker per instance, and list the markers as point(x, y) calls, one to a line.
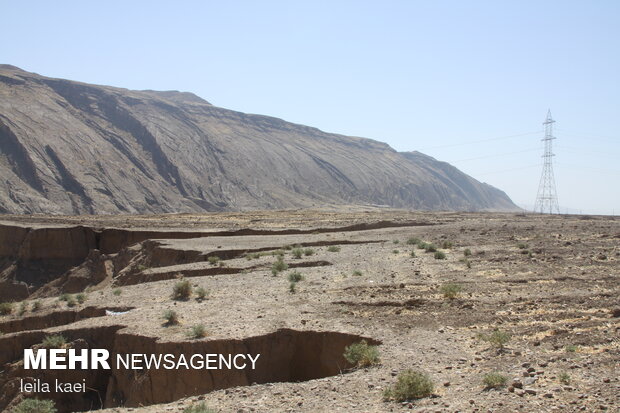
point(550, 282)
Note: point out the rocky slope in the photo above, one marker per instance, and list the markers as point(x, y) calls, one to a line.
point(73, 148)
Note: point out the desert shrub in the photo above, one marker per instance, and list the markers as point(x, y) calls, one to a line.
point(71, 302)
point(6, 308)
point(413, 241)
point(308, 252)
point(564, 378)
point(522, 245)
point(171, 317)
point(35, 406)
point(36, 306)
point(199, 408)
point(361, 354)
point(410, 385)
point(422, 245)
point(117, 291)
point(279, 253)
point(430, 248)
point(54, 341)
point(494, 380)
point(446, 245)
point(468, 263)
point(198, 331)
point(295, 277)
point(201, 293)
point(526, 252)
point(467, 252)
point(571, 348)
point(81, 298)
point(64, 297)
point(357, 273)
point(333, 248)
point(278, 266)
point(396, 241)
point(439, 255)
point(292, 287)
point(395, 251)
point(22, 308)
point(497, 338)
point(297, 252)
point(181, 290)
point(213, 259)
point(451, 291)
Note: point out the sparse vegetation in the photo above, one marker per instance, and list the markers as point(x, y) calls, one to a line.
point(81, 298)
point(494, 380)
point(171, 317)
point(35, 406)
point(571, 348)
point(198, 331)
point(54, 341)
point(308, 252)
point(497, 338)
point(199, 408)
point(446, 245)
point(297, 252)
point(278, 253)
point(451, 290)
point(412, 254)
point(522, 245)
point(22, 308)
point(396, 241)
point(333, 248)
point(413, 241)
point(361, 354)
point(213, 259)
point(467, 252)
point(71, 302)
point(278, 266)
point(564, 378)
point(395, 251)
point(201, 293)
point(253, 256)
point(410, 385)
point(440, 255)
point(292, 287)
point(182, 290)
point(36, 306)
point(422, 245)
point(295, 277)
point(430, 248)
point(117, 291)
point(357, 273)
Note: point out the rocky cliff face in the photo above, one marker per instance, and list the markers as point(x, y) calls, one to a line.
point(73, 148)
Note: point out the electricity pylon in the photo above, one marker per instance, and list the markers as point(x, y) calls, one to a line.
point(547, 198)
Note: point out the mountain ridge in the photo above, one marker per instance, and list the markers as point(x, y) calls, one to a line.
point(72, 148)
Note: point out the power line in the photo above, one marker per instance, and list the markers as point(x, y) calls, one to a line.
point(496, 155)
point(481, 141)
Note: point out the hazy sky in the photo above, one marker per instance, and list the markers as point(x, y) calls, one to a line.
point(443, 77)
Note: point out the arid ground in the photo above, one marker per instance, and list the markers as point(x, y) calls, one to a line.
point(550, 283)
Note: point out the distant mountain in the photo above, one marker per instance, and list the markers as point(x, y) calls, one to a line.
point(74, 148)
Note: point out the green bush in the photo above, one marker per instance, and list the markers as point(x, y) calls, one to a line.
point(22, 308)
point(308, 252)
point(439, 255)
point(497, 338)
point(357, 273)
point(292, 287)
point(571, 348)
point(395, 251)
point(201, 293)
point(54, 341)
point(252, 256)
point(413, 241)
point(412, 254)
point(182, 290)
point(295, 277)
point(522, 245)
point(422, 245)
point(430, 248)
point(36, 306)
point(35, 406)
point(333, 248)
point(278, 266)
point(81, 298)
point(117, 291)
point(450, 291)
point(297, 252)
point(361, 354)
point(494, 380)
point(71, 302)
point(213, 259)
point(564, 378)
point(395, 241)
point(198, 331)
point(467, 252)
point(199, 408)
point(171, 317)
point(410, 385)
point(446, 245)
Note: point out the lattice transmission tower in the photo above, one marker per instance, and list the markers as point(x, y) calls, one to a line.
point(547, 198)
